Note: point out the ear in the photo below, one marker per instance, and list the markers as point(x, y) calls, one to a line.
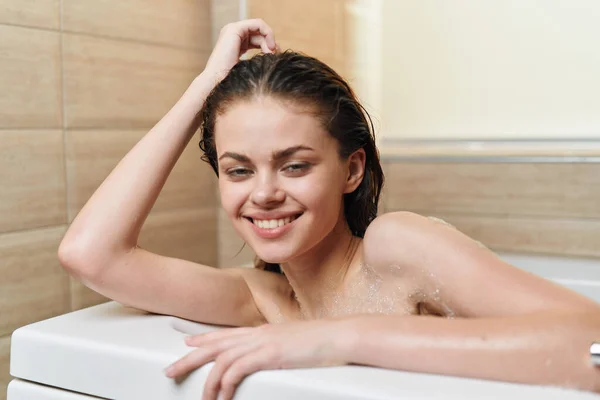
point(356, 170)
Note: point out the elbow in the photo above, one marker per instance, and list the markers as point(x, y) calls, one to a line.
point(71, 257)
point(79, 260)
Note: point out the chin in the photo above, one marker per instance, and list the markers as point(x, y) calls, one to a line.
point(275, 256)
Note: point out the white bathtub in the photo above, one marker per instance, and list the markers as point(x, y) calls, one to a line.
point(579, 274)
point(112, 352)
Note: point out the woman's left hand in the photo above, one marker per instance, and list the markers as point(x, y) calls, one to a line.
point(239, 352)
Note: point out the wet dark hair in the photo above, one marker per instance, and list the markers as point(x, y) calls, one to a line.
point(292, 76)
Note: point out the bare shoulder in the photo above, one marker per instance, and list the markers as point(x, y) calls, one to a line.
point(399, 237)
point(459, 275)
point(403, 247)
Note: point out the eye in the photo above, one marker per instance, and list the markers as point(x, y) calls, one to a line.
point(238, 172)
point(296, 168)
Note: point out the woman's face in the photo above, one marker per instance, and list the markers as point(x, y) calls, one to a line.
point(280, 176)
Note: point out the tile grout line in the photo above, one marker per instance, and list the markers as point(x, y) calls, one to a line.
point(139, 41)
point(107, 37)
point(37, 28)
point(33, 229)
point(76, 128)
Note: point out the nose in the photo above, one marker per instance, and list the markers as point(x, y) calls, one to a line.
point(267, 192)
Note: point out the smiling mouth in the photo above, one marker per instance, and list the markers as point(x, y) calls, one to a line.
point(273, 223)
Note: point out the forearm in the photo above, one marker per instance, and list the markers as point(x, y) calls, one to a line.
point(112, 218)
point(548, 349)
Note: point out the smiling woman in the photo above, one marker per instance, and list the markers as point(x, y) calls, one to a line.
point(299, 177)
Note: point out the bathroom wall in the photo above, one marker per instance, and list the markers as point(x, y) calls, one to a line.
point(490, 117)
point(82, 81)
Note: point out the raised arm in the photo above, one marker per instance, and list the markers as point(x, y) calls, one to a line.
point(100, 247)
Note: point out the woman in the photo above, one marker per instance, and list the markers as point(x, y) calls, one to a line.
point(299, 177)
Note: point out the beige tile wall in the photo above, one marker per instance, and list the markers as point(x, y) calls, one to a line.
point(76, 98)
point(177, 23)
point(32, 178)
point(34, 286)
point(315, 27)
point(549, 208)
point(105, 79)
point(34, 13)
point(30, 73)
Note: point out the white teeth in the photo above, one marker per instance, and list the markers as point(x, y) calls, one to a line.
point(272, 223)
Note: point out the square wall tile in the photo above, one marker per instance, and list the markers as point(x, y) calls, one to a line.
point(175, 22)
point(34, 286)
point(93, 154)
point(567, 190)
point(116, 84)
point(314, 27)
point(32, 178)
point(35, 13)
point(186, 234)
point(30, 78)
point(562, 237)
point(90, 157)
point(191, 183)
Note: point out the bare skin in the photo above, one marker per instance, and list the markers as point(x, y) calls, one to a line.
point(341, 299)
point(363, 291)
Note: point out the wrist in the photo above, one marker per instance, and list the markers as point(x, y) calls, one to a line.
point(195, 95)
point(346, 339)
point(202, 85)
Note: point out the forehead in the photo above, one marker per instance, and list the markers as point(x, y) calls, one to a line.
point(266, 124)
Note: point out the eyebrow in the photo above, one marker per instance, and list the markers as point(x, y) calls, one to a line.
point(235, 156)
point(277, 155)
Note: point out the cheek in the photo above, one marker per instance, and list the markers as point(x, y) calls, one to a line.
point(321, 193)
